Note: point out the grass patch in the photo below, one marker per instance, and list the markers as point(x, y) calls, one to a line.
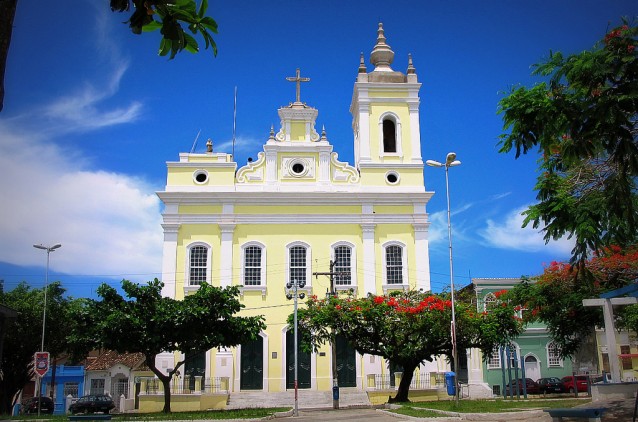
point(495, 406)
point(417, 413)
point(203, 415)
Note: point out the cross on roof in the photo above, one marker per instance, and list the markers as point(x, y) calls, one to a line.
point(298, 79)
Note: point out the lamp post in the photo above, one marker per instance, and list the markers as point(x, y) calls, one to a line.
point(294, 285)
point(49, 249)
point(450, 161)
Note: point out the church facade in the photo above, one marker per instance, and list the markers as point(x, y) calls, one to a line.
point(297, 213)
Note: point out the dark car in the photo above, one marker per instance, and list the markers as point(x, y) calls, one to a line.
point(92, 404)
point(530, 385)
point(46, 405)
point(550, 385)
point(581, 381)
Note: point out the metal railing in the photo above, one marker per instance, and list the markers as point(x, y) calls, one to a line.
point(420, 381)
point(186, 385)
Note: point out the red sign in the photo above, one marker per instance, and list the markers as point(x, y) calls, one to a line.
point(41, 363)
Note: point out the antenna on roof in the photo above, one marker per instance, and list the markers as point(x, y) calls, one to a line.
point(195, 141)
point(234, 120)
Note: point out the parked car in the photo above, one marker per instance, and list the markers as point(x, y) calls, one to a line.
point(530, 386)
point(91, 404)
point(550, 385)
point(581, 383)
point(46, 405)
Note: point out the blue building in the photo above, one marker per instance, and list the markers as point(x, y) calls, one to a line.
point(69, 380)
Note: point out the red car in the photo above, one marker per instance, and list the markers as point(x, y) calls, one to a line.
point(531, 387)
point(582, 383)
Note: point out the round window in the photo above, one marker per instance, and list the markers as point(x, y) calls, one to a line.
point(392, 177)
point(200, 176)
point(298, 168)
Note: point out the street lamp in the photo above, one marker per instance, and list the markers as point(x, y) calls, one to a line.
point(295, 285)
point(49, 249)
point(450, 161)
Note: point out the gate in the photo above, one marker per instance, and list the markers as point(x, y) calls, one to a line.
point(346, 363)
point(303, 364)
point(252, 365)
point(119, 387)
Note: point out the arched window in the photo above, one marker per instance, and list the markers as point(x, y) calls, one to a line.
point(553, 355)
point(343, 265)
point(389, 135)
point(253, 266)
point(197, 265)
point(489, 301)
point(495, 360)
point(394, 264)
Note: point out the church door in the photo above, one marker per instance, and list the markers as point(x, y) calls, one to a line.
point(532, 369)
point(252, 365)
point(346, 363)
point(303, 364)
point(195, 366)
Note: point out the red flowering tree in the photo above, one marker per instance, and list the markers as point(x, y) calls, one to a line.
point(581, 119)
point(555, 297)
point(405, 328)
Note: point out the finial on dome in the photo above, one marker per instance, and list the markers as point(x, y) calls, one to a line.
point(362, 64)
point(209, 145)
point(382, 55)
point(323, 133)
point(272, 133)
point(411, 68)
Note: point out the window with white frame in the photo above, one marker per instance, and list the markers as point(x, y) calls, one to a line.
point(253, 265)
point(97, 386)
point(343, 265)
point(553, 355)
point(494, 361)
point(197, 265)
point(515, 358)
point(297, 264)
point(489, 301)
point(71, 389)
point(394, 264)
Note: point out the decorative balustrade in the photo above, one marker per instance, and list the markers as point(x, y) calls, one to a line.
point(186, 385)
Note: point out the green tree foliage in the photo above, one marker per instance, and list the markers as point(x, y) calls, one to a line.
point(405, 328)
point(582, 120)
point(168, 17)
point(147, 322)
point(556, 296)
point(24, 334)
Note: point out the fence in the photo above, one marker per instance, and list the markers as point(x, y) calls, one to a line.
point(420, 381)
point(186, 385)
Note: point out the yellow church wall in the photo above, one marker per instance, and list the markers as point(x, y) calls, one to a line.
point(297, 209)
point(394, 209)
point(297, 131)
point(191, 233)
point(217, 176)
point(374, 176)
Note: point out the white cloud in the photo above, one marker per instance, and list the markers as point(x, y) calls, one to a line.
point(509, 234)
point(108, 224)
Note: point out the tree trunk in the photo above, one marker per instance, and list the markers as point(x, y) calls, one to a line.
point(7, 13)
point(404, 385)
point(166, 382)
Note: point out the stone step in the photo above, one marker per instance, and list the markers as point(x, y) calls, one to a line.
point(306, 399)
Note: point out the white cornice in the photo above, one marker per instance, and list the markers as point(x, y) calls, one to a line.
point(378, 197)
point(367, 221)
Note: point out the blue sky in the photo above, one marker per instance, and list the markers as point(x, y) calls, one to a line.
point(92, 114)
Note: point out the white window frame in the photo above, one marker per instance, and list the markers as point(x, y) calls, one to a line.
point(404, 267)
point(553, 359)
point(489, 298)
point(260, 287)
point(308, 262)
point(388, 115)
point(495, 361)
point(187, 273)
point(353, 265)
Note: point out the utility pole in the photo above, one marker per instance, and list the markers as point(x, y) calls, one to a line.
point(294, 285)
point(333, 293)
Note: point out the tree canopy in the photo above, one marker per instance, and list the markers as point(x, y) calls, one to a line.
point(24, 334)
point(582, 120)
point(556, 296)
point(149, 323)
point(405, 328)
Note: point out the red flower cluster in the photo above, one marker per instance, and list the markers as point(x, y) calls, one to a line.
point(430, 303)
point(616, 33)
point(500, 293)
